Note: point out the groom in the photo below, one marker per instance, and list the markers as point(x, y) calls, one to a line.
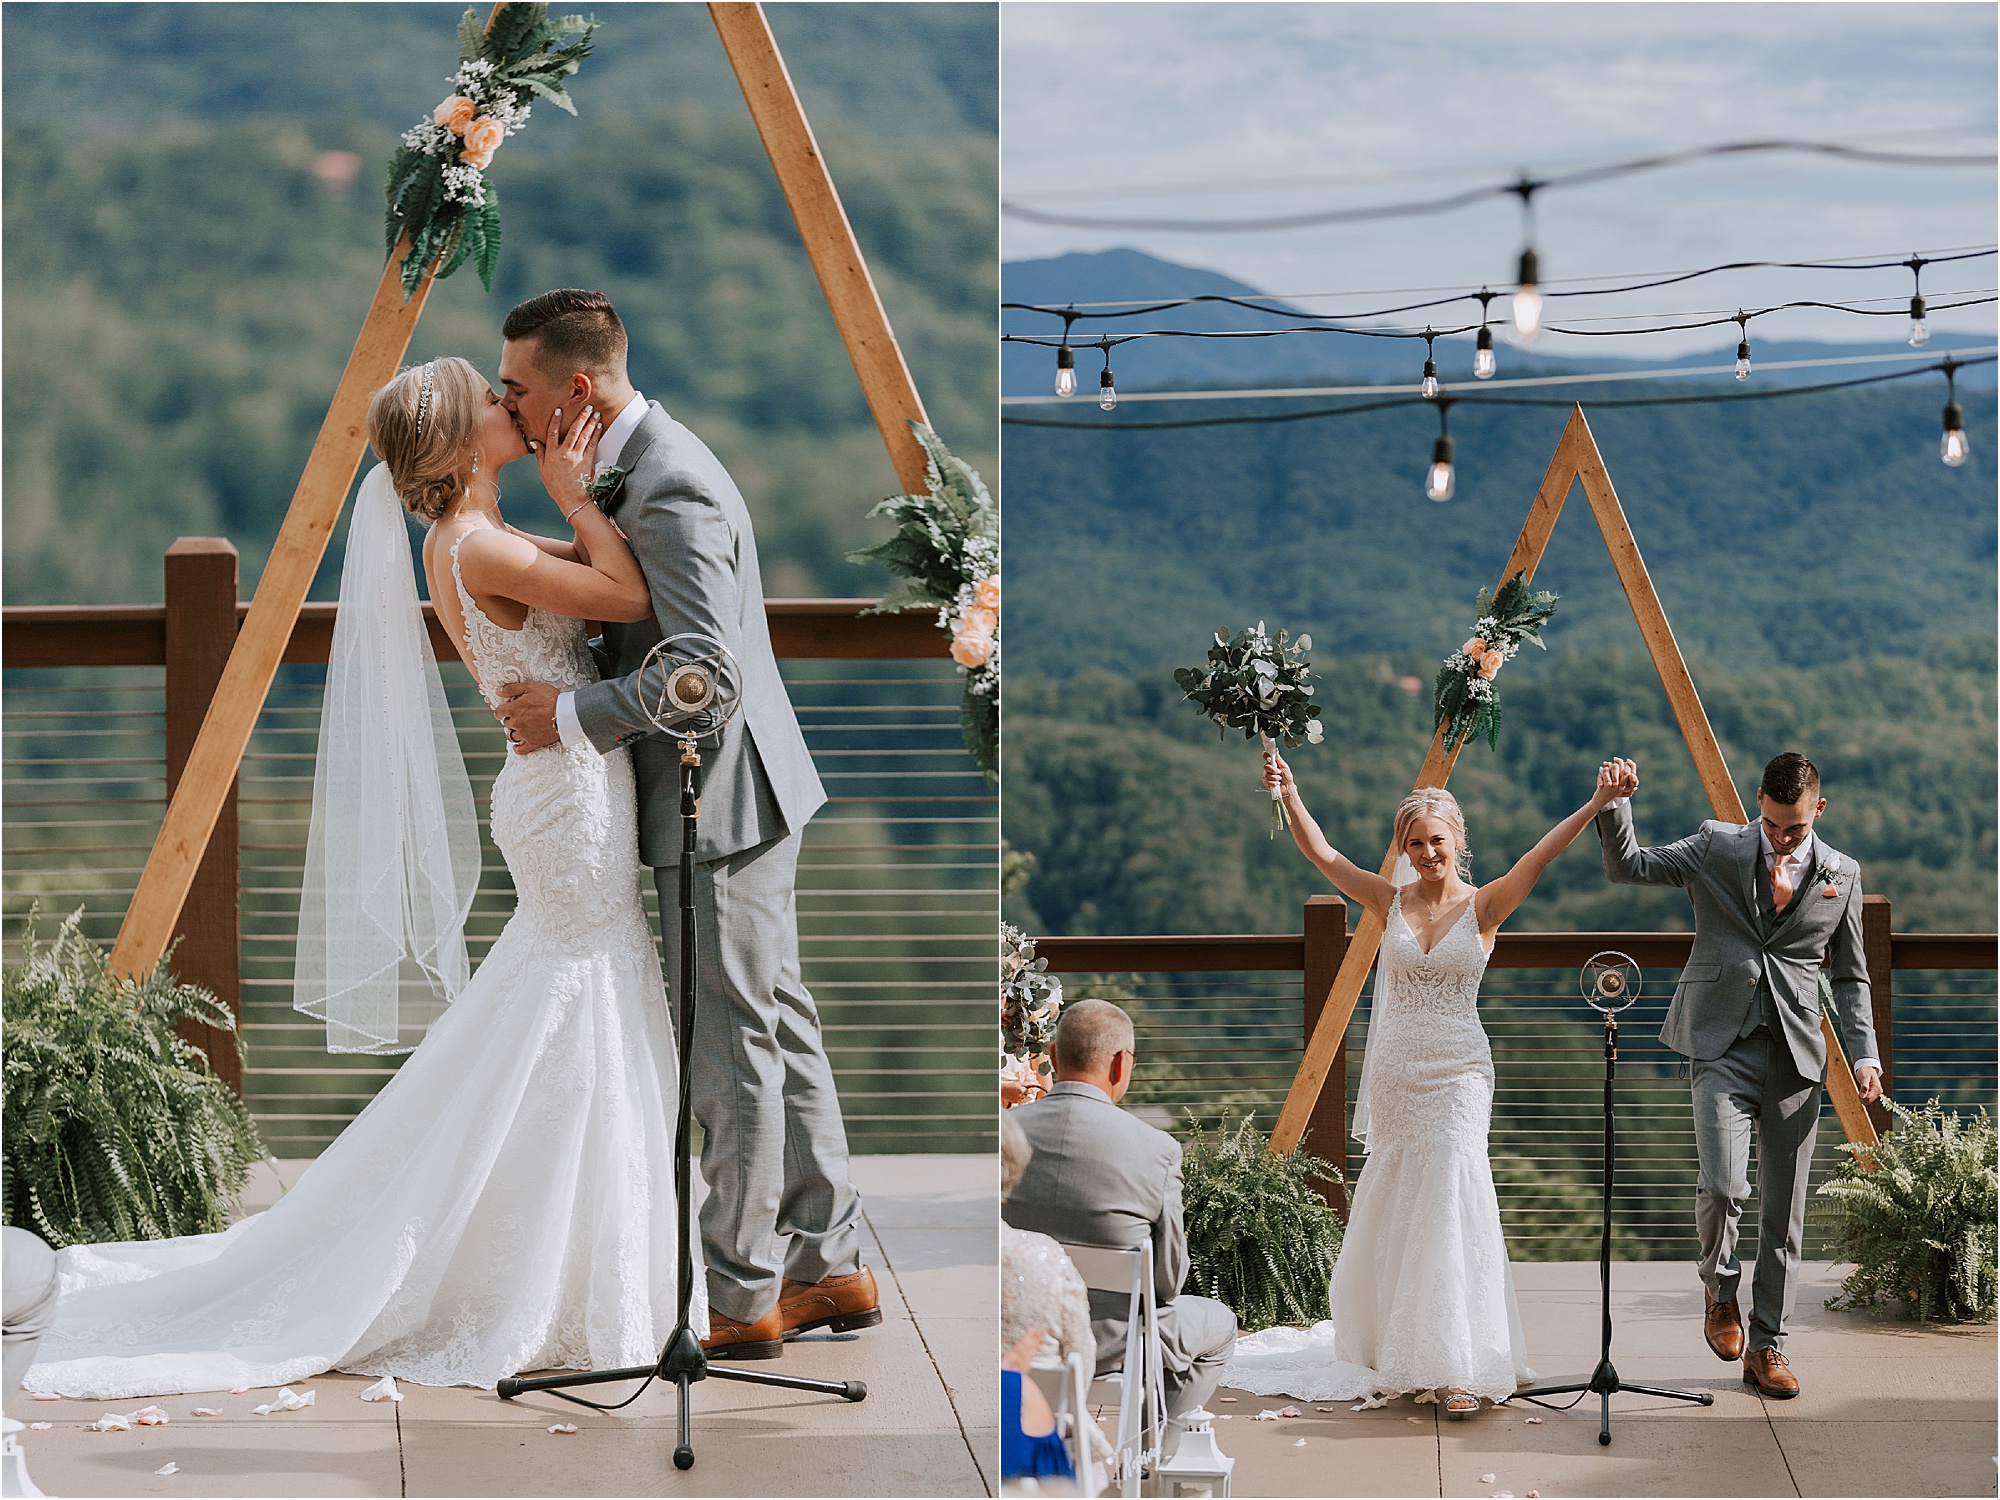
point(774, 1149)
point(1771, 901)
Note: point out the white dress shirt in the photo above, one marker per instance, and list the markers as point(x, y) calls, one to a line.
point(610, 443)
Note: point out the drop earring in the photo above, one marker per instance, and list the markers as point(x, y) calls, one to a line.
point(475, 463)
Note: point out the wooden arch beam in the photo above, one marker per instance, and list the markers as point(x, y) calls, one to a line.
point(197, 802)
point(1576, 460)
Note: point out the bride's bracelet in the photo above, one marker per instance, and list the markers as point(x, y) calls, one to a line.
point(580, 505)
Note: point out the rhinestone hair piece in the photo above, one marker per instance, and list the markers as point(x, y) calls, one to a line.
point(424, 400)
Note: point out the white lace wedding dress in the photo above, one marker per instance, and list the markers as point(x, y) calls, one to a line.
point(506, 1202)
point(1422, 1295)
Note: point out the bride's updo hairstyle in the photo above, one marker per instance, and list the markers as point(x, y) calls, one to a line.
point(1435, 802)
point(426, 439)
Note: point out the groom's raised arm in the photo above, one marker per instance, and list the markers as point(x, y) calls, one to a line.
point(1626, 863)
point(688, 551)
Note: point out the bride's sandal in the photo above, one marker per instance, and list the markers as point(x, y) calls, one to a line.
point(1460, 1404)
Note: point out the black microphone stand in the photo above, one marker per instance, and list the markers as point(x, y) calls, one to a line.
point(1604, 1381)
point(682, 1360)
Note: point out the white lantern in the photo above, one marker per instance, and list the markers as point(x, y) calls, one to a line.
point(1198, 1467)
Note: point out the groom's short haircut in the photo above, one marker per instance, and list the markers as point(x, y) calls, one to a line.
point(1790, 779)
point(1089, 1035)
point(573, 330)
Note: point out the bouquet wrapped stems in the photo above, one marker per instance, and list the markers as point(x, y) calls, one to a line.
point(1280, 818)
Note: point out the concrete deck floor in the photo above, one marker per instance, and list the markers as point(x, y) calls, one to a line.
point(928, 1426)
point(1886, 1408)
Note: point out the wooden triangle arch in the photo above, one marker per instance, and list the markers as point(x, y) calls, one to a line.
point(1576, 459)
point(204, 786)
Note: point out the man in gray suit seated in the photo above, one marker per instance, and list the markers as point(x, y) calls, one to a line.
point(1099, 1176)
point(781, 1226)
point(1772, 901)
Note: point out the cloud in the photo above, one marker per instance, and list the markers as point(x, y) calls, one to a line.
point(1420, 98)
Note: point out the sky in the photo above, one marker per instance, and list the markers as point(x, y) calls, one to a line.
point(1218, 110)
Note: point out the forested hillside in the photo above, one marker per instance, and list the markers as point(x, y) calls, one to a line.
point(1141, 821)
point(183, 286)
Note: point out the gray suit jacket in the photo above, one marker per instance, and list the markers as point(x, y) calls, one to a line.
point(1737, 955)
point(691, 533)
point(1100, 1176)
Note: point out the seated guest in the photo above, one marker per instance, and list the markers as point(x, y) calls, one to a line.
point(1039, 1287)
point(1099, 1176)
point(27, 1307)
point(1030, 1446)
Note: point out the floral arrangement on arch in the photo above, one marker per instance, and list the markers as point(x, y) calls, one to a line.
point(1030, 1002)
point(1468, 705)
point(437, 188)
point(946, 552)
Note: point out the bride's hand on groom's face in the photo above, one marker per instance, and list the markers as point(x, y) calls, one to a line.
point(566, 461)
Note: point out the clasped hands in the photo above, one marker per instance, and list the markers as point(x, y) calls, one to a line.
point(528, 712)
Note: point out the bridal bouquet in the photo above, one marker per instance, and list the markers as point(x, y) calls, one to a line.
point(1467, 703)
point(1030, 1001)
point(437, 185)
point(1261, 685)
point(946, 551)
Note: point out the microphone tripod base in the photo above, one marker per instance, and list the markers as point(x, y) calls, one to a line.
point(1604, 1384)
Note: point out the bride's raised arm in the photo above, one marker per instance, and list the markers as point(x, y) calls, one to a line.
point(1499, 899)
point(1365, 886)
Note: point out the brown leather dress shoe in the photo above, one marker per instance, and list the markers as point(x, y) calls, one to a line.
point(729, 1339)
point(1767, 1371)
point(1722, 1326)
point(842, 1303)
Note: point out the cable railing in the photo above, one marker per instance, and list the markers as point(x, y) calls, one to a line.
point(1221, 1023)
point(898, 896)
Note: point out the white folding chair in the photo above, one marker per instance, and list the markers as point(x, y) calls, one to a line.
point(1142, 1404)
point(1066, 1386)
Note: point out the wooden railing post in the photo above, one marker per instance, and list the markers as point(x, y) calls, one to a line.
point(1876, 943)
point(200, 633)
point(1326, 1130)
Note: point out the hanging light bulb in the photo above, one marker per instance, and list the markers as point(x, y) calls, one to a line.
point(1430, 366)
point(1440, 483)
point(1919, 335)
point(1953, 448)
point(1107, 393)
point(1742, 347)
point(1528, 300)
point(1483, 362)
point(1065, 371)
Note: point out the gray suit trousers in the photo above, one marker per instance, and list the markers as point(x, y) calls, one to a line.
point(1197, 1336)
point(28, 1277)
point(1754, 1088)
point(774, 1149)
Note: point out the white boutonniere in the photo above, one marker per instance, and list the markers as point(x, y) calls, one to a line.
point(1828, 874)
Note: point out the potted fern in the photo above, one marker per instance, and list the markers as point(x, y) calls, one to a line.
point(1916, 1215)
point(1260, 1239)
point(116, 1128)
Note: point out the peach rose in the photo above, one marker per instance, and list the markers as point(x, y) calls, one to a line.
point(987, 595)
point(980, 620)
point(1474, 648)
point(1489, 666)
point(971, 650)
point(482, 138)
point(455, 113)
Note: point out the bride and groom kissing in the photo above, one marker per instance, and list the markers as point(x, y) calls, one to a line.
point(1422, 1296)
point(506, 1202)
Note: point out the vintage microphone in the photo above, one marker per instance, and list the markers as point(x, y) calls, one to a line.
point(690, 689)
point(1610, 983)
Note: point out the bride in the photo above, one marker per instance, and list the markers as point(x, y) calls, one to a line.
point(1422, 1295)
point(505, 1203)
